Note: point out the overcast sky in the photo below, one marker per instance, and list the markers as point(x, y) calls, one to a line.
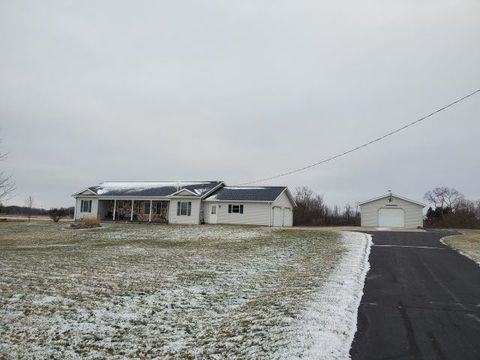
point(239, 90)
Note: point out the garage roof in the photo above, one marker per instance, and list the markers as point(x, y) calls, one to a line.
point(395, 196)
point(247, 193)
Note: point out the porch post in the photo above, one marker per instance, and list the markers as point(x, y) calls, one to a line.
point(131, 213)
point(114, 208)
point(150, 214)
point(75, 210)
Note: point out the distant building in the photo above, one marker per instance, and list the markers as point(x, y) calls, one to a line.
point(186, 202)
point(391, 211)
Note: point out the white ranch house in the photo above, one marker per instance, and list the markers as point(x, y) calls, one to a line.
point(186, 202)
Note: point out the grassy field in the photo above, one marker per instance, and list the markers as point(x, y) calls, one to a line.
point(468, 243)
point(157, 291)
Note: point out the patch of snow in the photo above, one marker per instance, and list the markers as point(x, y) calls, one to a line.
point(135, 186)
point(129, 291)
point(150, 184)
point(46, 300)
point(329, 324)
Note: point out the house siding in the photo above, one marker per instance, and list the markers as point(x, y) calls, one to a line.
point(194, 218)
point(253, 213)
point(413, 212)
point(283, 201)
point(83, 215)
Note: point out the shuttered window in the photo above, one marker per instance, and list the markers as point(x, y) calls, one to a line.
point(184, 208)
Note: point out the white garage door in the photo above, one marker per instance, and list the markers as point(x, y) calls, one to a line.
point(391, 218)
point(287, 217)
point(277, 216)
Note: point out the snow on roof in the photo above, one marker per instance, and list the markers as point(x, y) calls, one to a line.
point(151, 188)
point(245, 187)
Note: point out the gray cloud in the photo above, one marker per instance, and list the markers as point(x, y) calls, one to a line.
point(123, 90)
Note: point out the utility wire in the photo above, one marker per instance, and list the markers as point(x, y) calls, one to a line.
point(365, 144)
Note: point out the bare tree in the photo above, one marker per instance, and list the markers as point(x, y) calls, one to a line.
point(348, 213)
point(444, 197)
point(311, 210)
point(29, 203)
point(7, 185)
point(451, 209)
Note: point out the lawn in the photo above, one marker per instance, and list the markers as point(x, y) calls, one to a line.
point(167, 291)
point(467, 243)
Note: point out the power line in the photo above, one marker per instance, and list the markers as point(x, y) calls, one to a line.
point(364, 144)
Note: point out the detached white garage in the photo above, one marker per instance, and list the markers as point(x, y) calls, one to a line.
point(391, 211)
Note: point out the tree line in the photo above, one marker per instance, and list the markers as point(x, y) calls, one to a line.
point(55, 213)
point(311, 210)
point(450, 209)
point(25, 210)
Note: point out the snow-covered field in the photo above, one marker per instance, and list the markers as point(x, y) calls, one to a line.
point(178, 291)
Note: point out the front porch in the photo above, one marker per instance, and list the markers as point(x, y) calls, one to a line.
point(133, 210)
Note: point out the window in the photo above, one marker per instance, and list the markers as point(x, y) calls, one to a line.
point(147, 208)
point(214, 209)
point(184, 208)
point(86, 206)
point(235, 209)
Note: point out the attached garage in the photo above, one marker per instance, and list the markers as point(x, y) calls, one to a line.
point(391, 211)
point(249, 205)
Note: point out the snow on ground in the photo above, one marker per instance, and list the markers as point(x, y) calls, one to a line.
point(327, 328)
point(210, 292)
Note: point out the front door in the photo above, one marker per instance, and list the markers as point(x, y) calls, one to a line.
point(213, 214)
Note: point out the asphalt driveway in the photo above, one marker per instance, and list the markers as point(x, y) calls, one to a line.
point(421, 301)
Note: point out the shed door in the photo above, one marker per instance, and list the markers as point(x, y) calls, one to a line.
point(394, 218)
point(287, 217)
point(277, 216)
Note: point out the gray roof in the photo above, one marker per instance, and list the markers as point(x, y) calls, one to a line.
point(247, 193)
point(151, 188)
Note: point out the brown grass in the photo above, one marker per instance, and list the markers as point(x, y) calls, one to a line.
point(468, 243)
point(140, 291)
point(86, 223)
